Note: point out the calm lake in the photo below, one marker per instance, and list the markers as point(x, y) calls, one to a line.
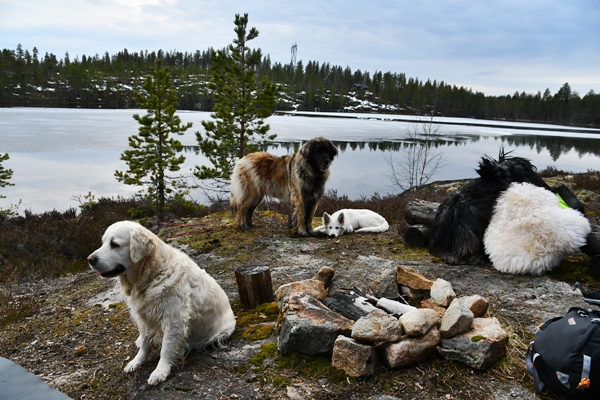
point(56, 154)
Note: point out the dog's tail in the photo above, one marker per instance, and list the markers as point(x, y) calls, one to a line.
point(233, 206)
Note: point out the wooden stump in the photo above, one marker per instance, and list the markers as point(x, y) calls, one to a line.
point(254, 285)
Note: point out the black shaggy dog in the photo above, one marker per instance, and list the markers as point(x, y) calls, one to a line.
point(463, 217)
point(298, 179)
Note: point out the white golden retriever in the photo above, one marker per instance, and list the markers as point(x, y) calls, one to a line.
point(174, 302)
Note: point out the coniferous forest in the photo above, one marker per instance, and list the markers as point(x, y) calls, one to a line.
point(29, 79)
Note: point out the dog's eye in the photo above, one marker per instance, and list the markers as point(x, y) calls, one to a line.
point(113, 244)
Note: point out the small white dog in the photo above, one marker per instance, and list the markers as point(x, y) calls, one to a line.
point(174, 302)
point(350, 220)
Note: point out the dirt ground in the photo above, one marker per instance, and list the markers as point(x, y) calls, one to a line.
point(82, 337)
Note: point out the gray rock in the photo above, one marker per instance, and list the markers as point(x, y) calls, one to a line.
point(375, 276)
point(377, 326)
point(419, 321)
point(457, 319)
point(354, 358)
point(441, 292)
point(309, 327)
point(408, 351)
point(479, 348)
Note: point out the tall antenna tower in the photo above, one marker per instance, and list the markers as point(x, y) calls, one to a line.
point(293, 62)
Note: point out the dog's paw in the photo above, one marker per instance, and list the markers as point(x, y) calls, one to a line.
point(158, 375)
point(132, 366)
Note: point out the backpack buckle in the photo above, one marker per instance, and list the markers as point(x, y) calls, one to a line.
point(584, 383)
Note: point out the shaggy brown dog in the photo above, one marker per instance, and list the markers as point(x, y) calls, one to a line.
point(298, 179)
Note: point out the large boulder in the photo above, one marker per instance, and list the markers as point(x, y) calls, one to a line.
point(309, 327)
point(373, 275)
point(479, 348)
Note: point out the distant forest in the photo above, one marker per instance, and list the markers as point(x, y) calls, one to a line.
point(28, 79)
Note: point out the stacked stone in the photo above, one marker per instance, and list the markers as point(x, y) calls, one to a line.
point(456, 327)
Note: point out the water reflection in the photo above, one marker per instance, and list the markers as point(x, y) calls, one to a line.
point(556, 146)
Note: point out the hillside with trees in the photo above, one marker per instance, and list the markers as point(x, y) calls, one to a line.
point(28, 79)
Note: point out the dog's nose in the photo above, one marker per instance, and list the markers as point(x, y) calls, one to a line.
point(92, 259)
point(326, 161)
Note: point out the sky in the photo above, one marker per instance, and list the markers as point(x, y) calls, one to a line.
point(495, 47)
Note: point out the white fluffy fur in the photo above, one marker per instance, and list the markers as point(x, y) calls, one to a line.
point(350, 220)
point(175, 303)
point(530, 233)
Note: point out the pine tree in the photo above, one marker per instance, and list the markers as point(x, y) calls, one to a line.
point(5, 174)
point(241, 106)
point(153, 153)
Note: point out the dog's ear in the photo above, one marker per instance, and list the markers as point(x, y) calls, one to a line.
point(308, 148)
point(333, 151)
point(341, 218)
point(140, 245)
point(326, 218)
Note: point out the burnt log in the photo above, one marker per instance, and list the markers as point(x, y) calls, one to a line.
point(254, 285)
point(420, 212)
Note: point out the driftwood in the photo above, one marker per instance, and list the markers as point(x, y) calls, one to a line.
point(420, 212)
point(254, 285)
point(394, 307)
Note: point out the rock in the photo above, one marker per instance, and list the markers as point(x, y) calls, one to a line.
point(409, 277)
point(354, 358)
point(457, 319)
point(419, 321)
point(325, 275)
point(377, 326)
point(375, 276)
point(312, 287)
point(477, 304)
point(479, 348)
point(429, 303)
point(442, 293)
point(408, 351)
point(309, 327)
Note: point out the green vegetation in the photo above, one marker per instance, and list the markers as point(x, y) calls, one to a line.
point(241, 106)
point(28, 79)
point(5, 174)
point(152, 153)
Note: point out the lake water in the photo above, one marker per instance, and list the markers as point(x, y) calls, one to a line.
point(56, 154)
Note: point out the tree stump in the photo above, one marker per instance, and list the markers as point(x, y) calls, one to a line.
point(254, 285)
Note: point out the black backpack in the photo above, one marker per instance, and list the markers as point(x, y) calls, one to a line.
point(565, 356)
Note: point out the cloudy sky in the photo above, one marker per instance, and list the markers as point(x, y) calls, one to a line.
point(496, 47)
